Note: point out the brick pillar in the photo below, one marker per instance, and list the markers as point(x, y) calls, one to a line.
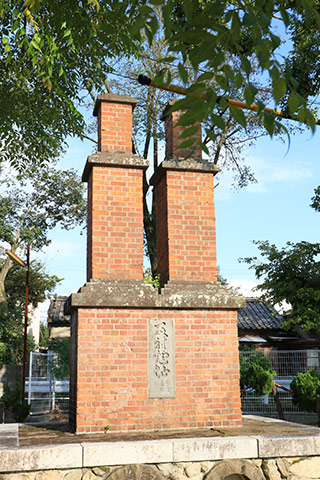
point(114, 176)
point(173, 132)
point(186, 240)
point(114, 114)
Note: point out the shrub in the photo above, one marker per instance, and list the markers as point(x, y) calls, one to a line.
point(305, 387)
point(12, 400)
point(61, 366)
point(256, 372)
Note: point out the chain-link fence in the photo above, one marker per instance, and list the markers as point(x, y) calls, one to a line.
point(45, 392)
point(287, 364)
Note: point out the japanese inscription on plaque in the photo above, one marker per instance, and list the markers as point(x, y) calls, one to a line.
point(161, 358)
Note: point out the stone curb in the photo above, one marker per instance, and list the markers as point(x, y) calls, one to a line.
point(284, 446)
point(41, 458)
point(97, 454)
point(201, 449)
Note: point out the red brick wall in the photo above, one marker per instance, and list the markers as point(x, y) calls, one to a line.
point(190, 218)
point(73, 369)
point(112, 388)
point(172, 133)
point(115, 127)
point(115, 223)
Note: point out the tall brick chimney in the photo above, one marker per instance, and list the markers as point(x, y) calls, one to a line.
point(114, 177)
point(186, 240)
point(173, 132)
point(114, 114)
point(144, 360)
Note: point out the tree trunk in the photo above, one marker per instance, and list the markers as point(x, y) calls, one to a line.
point(3, 275)
point(149, 217)
point(277, 401)
point(150, 229)
point(3, 296)
point(318, 408)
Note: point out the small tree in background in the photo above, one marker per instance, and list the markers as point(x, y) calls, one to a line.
point(256, 372)
point(61, 367)
point(306, 391)
point(30, 207)
point(11, 321)
point(291, 274)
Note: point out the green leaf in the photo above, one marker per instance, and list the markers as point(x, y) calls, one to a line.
point(159, 78)
point(67, 33)
point(205, 76)
point(248, 19)
point(169, 59)
point(190, 117)
point(183, 73)
point(276, 41)
point(269, 123)
point(235, 25)
point(279, 88)
point(228, 71)
point(245, 64)
point(35, 45)
point(310, 119)
point(204, 148)
point(188, 8)
point(211, 135)
point(293, 102)
point(249, 93)
point(238, 115)
point(301, 115)
point(238, 80)
point(187, 143)
point(189, 132)
point(218, 121)
point(266, 19)
point(285, 16)
point(149, 34)
point(153, 24)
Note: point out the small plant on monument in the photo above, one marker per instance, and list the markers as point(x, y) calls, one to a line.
point(155, 282)
point(12, 400)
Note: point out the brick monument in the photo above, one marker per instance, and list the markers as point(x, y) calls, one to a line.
point(145, 360)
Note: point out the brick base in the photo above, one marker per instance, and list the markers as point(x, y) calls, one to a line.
point(112, 371)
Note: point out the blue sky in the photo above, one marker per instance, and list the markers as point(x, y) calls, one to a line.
point(275, 209)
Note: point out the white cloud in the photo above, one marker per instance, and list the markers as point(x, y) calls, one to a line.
point(245, 287)
point(267, 172)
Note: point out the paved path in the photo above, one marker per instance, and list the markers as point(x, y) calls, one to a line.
point(43, 447)
point(9, 435)
point(59, 433)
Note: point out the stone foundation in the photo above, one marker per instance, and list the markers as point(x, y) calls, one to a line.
point(273, 450)
point(296, 468)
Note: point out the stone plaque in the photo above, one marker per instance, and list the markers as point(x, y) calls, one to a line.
point(162, 378)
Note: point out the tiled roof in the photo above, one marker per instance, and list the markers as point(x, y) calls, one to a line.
point(55, 312)
point(258, 316)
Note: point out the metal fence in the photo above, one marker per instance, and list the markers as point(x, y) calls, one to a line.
point(44, 392)
point(287, 364)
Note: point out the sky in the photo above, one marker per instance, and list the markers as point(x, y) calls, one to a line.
point(276, 208)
